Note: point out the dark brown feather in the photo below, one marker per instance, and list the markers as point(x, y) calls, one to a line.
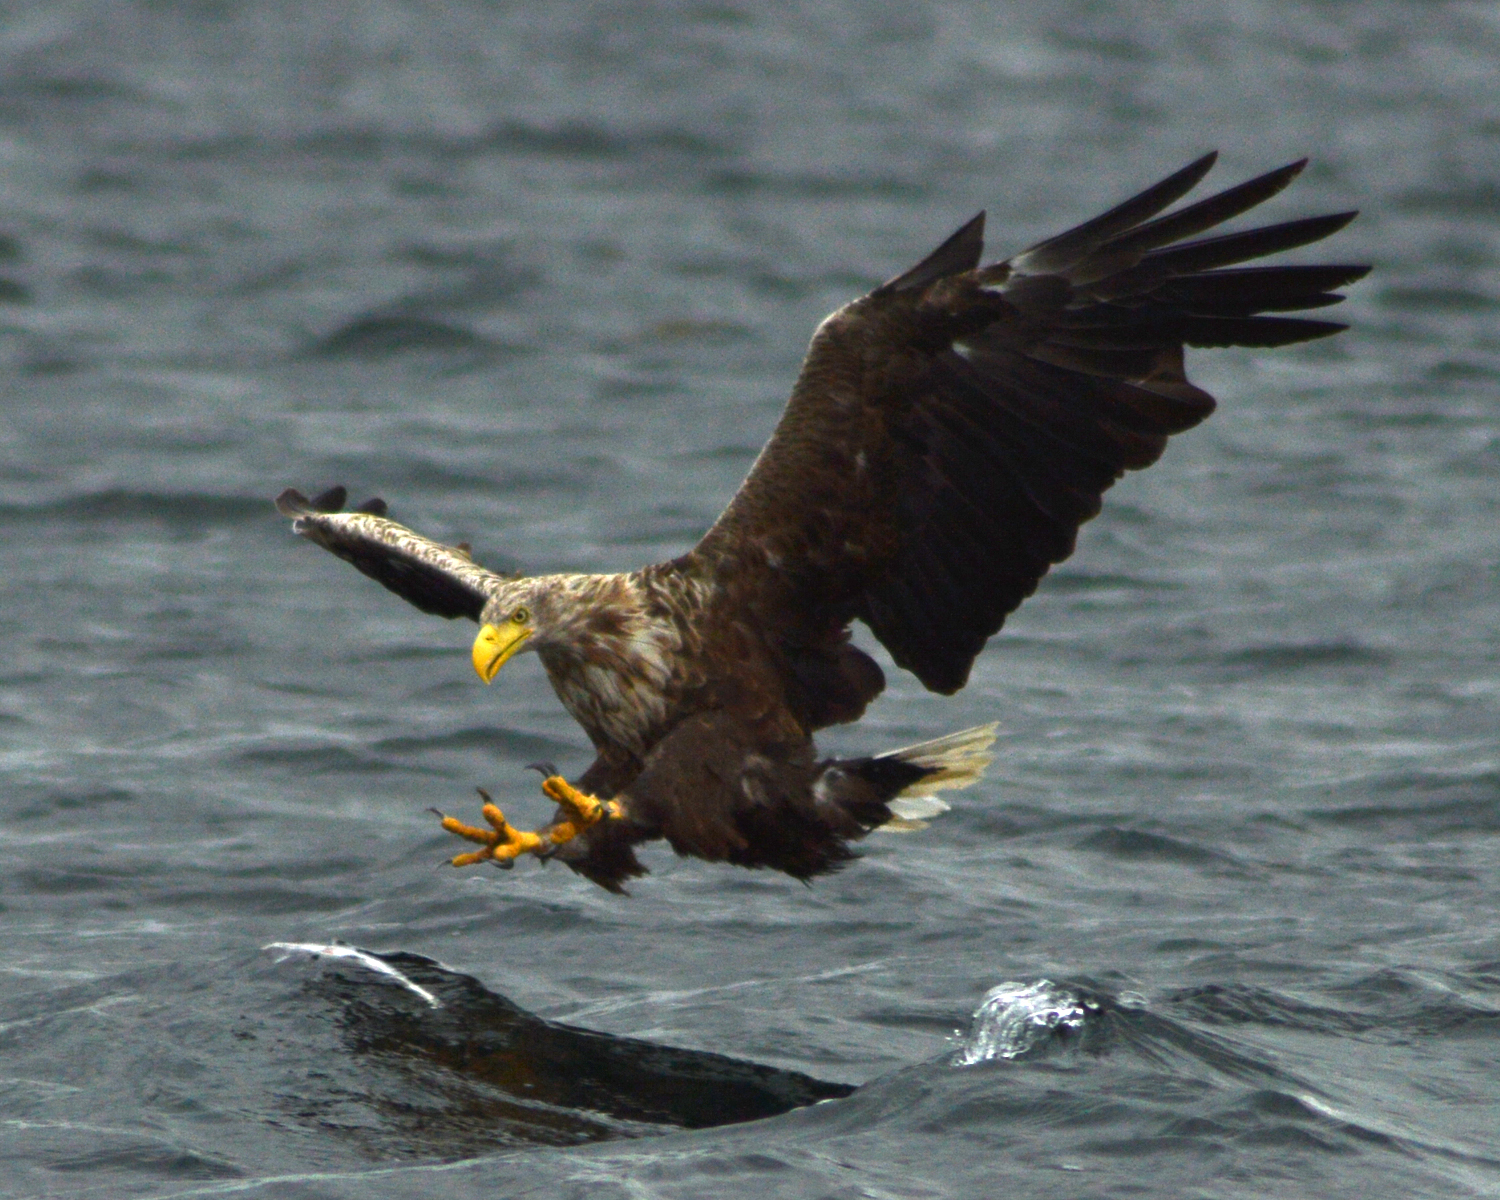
point(1205, 214)
point(951, 431)
point(716, 788)
point(959, 253)
point(1063, 251)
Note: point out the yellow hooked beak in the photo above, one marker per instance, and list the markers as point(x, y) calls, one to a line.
point(495, 645)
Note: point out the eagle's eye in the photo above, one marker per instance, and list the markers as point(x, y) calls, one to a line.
point(521, 615)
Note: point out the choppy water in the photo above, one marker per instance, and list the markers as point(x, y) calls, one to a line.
point(541, 276)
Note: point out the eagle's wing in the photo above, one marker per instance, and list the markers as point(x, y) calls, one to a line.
point(951, 430)
point(438, 579)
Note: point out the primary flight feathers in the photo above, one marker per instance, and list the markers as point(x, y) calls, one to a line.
point(947, 436)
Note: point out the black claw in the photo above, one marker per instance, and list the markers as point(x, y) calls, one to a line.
point(503, 864)
point(484, 795)
point(437, 812)
point(546, 768)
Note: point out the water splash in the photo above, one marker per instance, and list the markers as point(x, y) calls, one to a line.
point(1017, 1017)
point(363, 957)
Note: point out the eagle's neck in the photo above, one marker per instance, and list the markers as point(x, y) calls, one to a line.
point(615, 657)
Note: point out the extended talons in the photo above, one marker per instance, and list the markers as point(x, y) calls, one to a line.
point(583, 810)
point(502, 842)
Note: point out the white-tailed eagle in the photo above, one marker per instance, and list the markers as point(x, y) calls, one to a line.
point(947, 436)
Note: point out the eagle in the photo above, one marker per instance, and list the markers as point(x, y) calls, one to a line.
point(947, 435)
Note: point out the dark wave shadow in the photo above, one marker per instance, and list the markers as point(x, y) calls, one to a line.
point(1140, 1101)
point(380, 335)
point(477, 1072)
point(188, 509)
point(515, 743)
point(1391, 1005)
point(1308, 656)
point(1414, 805)
point(1138, 845)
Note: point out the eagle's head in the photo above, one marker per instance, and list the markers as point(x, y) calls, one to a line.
point(523, 614)
point(589, 619)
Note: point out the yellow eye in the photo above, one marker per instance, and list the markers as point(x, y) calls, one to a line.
point(520, 616)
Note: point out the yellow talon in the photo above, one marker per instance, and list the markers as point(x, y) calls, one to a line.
point(502, 842)
point(585, 810)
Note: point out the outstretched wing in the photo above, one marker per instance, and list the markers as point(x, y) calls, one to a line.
point(951, 430)
point(438, 579)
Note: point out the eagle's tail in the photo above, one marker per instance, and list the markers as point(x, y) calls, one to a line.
point(955, 761)
point(897, 789)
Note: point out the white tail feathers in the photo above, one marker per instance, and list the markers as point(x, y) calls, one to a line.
point(957, 761)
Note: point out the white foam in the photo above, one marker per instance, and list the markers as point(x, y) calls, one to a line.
point(364, 958)
point(1017, 1017)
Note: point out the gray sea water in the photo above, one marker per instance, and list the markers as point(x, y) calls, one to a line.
point(1223, 920)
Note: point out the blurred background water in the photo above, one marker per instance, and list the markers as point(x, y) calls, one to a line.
point(541, 276)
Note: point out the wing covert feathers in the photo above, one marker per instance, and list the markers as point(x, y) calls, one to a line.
point(438, 579)
point(952, 430)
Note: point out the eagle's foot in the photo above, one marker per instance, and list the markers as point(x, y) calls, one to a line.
point(583, 810)
point(502, 842)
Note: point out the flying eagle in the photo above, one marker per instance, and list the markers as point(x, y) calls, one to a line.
point(948, 434)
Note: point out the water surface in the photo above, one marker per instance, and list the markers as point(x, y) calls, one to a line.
point(542, 278)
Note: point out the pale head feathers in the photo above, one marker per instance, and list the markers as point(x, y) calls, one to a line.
point(609, 646)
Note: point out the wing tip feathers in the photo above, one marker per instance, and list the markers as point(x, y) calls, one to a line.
point(293, 503)
point(960, 251)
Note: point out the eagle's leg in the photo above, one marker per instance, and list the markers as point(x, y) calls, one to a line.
point(583, 810)
point(502, 842)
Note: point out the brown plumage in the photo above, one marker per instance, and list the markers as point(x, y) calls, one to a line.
point(947, 436)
